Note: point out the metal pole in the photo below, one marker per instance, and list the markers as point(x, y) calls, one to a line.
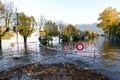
point(17, 38)
point(16, 25)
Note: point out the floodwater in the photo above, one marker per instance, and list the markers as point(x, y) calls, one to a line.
point(106, 59)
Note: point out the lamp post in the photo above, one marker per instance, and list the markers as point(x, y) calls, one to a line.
point(16, 28)
point(59, 31)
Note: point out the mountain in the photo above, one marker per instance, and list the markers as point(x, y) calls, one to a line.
point(93, 27)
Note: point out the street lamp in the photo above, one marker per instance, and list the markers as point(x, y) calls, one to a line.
point(16, 28)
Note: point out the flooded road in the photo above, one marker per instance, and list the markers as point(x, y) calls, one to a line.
point(107, 57)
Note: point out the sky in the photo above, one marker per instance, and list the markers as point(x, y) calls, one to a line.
point(67, 11)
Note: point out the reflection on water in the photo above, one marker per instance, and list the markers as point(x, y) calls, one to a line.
point(108, 50)
point(108, 58)
point(47, 52)
point(109, 55)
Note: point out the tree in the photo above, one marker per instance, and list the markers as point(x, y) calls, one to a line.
point(25, 27)
point(60, 25)
point(6, 20)
point(41, 22)
point(69, 30)
point(75, 38)
point(42, 33)
point(118, 30)
point(109, 20)
point(51, 28)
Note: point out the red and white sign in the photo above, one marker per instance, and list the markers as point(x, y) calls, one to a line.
point(79, 46)
point(82, 48)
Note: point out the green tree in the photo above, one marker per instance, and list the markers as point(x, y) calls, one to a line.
point(70, 30)
point(118, 30)
point(6, 20)
point(25, 27)
point(51, 28)
point(75, 38)
point(109, 20)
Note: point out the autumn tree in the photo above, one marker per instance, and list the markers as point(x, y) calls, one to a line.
point(25, 27)
point(51, 28)
point(109, 20)
point(70, 30)
point(6, 20)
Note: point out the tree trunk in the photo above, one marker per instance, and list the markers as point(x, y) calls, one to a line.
point(0, 47)
point(25, 44)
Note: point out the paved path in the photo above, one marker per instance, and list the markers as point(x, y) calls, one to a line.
point(11, 61)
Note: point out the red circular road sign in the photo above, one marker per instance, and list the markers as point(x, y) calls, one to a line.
point(79, 46)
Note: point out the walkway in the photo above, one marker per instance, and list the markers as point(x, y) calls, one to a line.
point(10, 61)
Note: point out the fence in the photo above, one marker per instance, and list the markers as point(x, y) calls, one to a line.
point(31, 47)
point(84, 48)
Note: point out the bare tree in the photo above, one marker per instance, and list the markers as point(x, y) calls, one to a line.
point(6, 15)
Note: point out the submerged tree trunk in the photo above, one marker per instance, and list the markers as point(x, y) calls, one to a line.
point(0, 47)
point(25, 44)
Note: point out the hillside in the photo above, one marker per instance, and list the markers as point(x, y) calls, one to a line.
point(93, 27)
